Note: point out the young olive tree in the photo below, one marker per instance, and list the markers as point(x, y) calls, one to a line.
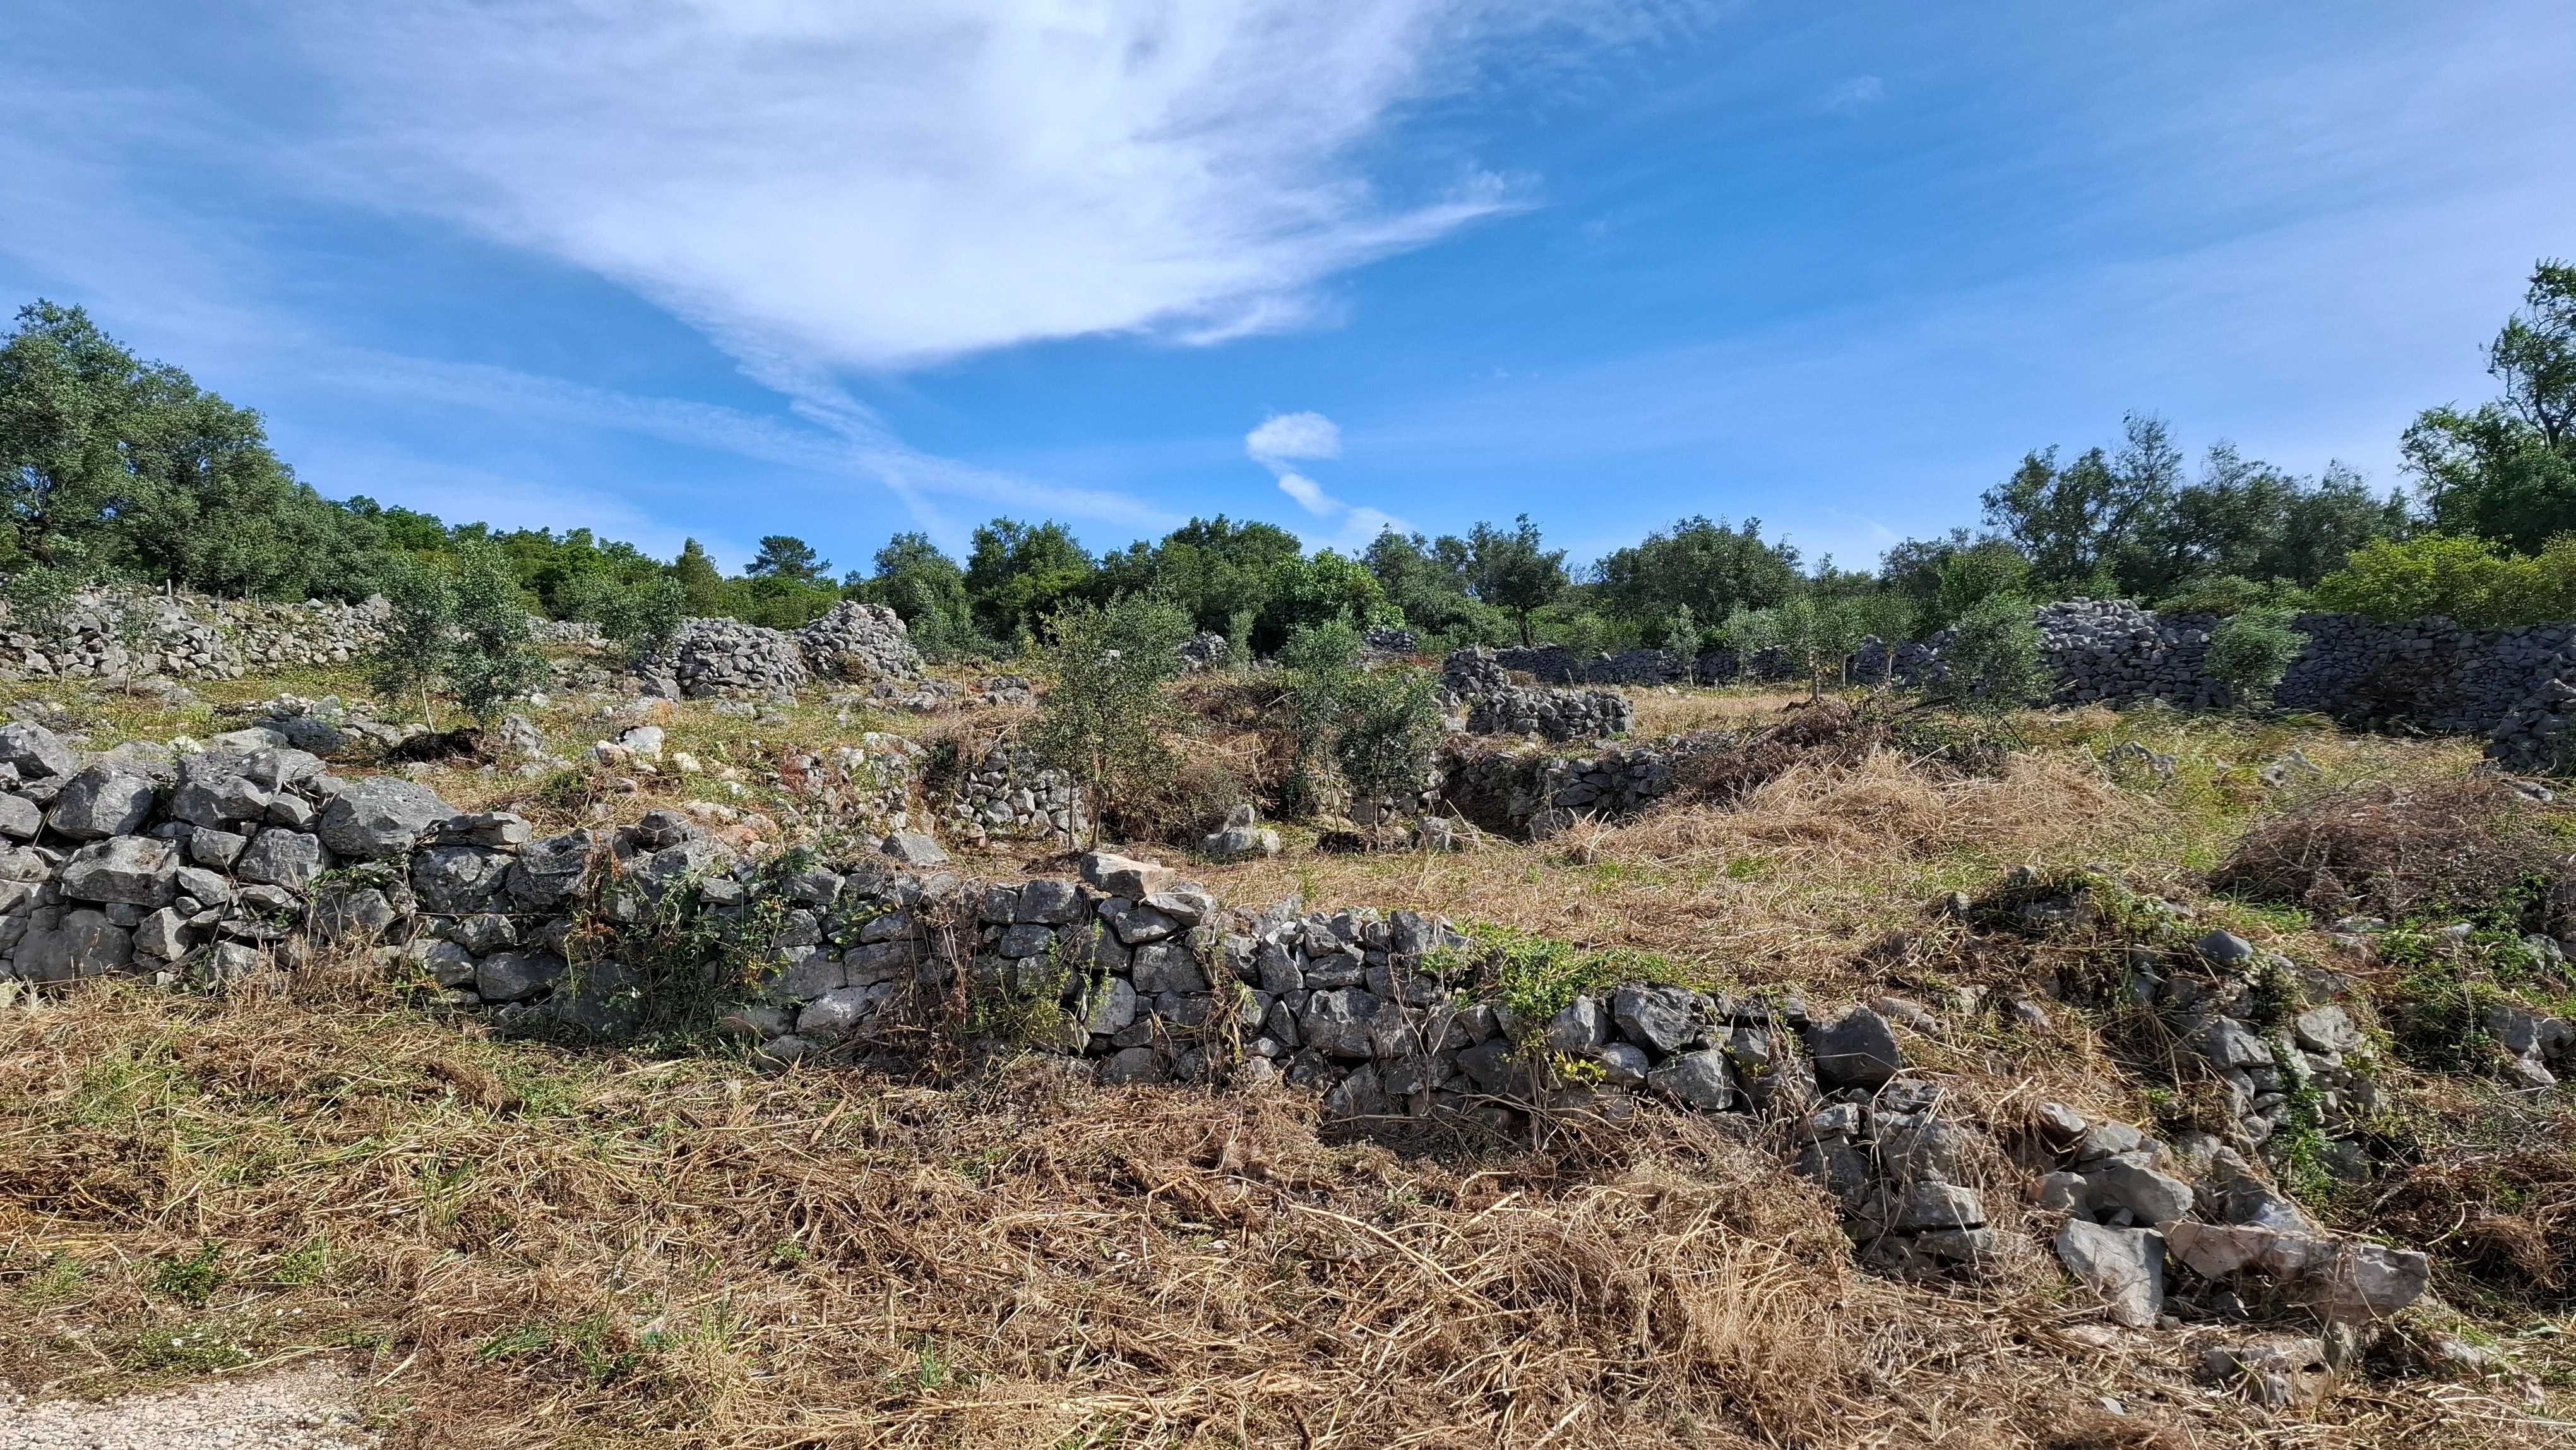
point(639, 616)
point(1994, 655)
point(492, 658)
point(2250, 652)
point(1104, 721)
point(464, 628)
point(1390, 728)
point(1323, 665)
point(1747, 634)
point(412, 655)
point(1681, 643)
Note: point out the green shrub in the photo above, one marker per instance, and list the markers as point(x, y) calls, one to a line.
point(2250, 652)
point(640, 615)
point(2470, 581)
point(492, 658)
point(2227, 594)
point(412, 655)
point(1323, 664)
point(1389, 727)
point(1104, 721)
point(1993, 655)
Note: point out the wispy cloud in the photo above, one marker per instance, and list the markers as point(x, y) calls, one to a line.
point(883, 186)
point(1852, 96)
point(849, 441)
point(1284, 439)
point(815, 187)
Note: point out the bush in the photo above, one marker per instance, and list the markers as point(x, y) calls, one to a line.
point(413, 652)
point(2227, 594)
point(493, 657)
point(1323, 664)
point(640, 616)
point(1390, 726)
point(465, 627)
point(2250, 652)
point(1993, 655)
point(2469, 581)
point(1104, 720)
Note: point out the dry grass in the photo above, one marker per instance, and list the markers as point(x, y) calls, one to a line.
point(2465, 845)
point(1677, 711)
point(517, 1246)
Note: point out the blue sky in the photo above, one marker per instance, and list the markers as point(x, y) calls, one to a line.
point(730, 269)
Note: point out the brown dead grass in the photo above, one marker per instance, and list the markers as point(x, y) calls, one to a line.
point(1882, 807)
point(1730, 707)
point(516, 1246)
point(2465, 844)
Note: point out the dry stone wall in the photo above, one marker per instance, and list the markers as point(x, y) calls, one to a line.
point(2515, 686)
point(141, 633)
point(1476, 680)
point(1009, 794)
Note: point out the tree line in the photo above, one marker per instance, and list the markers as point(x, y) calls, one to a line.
point(113, 467)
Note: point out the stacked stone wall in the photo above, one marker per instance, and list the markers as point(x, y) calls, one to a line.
point(142, 633)
point(1008, 794)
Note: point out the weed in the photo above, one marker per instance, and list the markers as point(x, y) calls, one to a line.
point(194, 1279)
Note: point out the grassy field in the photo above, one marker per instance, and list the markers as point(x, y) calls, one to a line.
point(517, 1244)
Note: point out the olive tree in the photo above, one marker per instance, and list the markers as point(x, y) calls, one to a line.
point(1994, 655)
point(2251, 651)
point(1104, 721)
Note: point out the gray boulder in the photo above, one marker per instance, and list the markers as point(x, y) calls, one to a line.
point(1624, 1064)
point(1109, 1007)
point(1167, 966)
point(1696, 1079)
point(2149, 1196)
point(2124, 1266)
point(1579, 1028)
point(20, 818)
point(1124, 875)
point(137, 870)
point(1240, 843)
point(1338, 1022)
point(2342, 1280)
point(378, 818)
point(35, 751)
point(1132, 1065)
point(102, 801)
point(163, 935)
point(1049, 901)
point(1922, 1207)
point(838, 1013)
point(1662, 1018)
point(454, 879)
point(914, 848)
point(280, 857)
point(549, 873)
point(84, 944)
point(516, 976)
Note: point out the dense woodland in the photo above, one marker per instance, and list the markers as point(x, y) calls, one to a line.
point(116, 468)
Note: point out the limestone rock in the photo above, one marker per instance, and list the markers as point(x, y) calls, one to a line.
point(378, 818)
point(2125, 1266)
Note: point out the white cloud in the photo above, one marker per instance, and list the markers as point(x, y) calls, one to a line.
point(1852, 96)
point(1284, 436)
point(1310, 494)
point(884, 186)
point(850, 443)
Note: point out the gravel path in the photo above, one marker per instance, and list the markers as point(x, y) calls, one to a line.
point(313, 1407)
